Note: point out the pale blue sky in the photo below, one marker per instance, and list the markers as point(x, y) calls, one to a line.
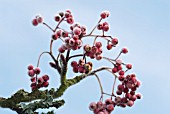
point(141, 25)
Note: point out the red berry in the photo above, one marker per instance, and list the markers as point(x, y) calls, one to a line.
point(65, 34)
point(39, 19)
point(61, 50)
point(110, 107)
point(31, 73)
point(74, 64)
point(57, 18)
point(130, 103)
point(124, 50)
point(120, 87)
point(45, 84)
point(98, 44)
point(108, 101)
point(138, 96)
point(30, 67)
point(55, 36)
point(37, 70)
point(121, 77)
point(128, 66)
point(106, 28)
point(35, 22)
point(121, 72)
point(45, 78)
point(133, 98)
point(98, 57)
point(118, 92)
point(114, 70)
point(33, 79)
point(75, 69)
point(109, 46)
point(114, 41)
point(70, 20)
point(77, 31)
point(40, 80)
point(71, 42)
point(92, 106)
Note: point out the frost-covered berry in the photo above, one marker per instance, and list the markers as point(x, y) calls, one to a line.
point(30, 67)
point(124, 50)
point(114, 41)
point(57, 18)
point(45, 84)
point(37, 70)
point(77, 31)
point(45, 78)
point(31, 73)
point(92, 106)
point(35, 22)
point(130, 103)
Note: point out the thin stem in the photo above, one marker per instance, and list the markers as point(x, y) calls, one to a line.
point(48, 26)
point(58, 24)
point(114, 86)
point(95, 40)
point(118, 56)
point(101, 88)
point(78, 55)
point(40, 57)
point(51, 45)
point(95, 26)
point(67, 56)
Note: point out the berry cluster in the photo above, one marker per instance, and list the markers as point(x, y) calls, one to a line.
point(94, 51)
point(37, 20)
point(81, 66)
point(72, 40)
point(37, 82)
point(102, 108)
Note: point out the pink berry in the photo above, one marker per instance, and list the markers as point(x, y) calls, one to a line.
point(109, 46)
point(81, 69)
point(31, 73)
point(124, 50)
point(108, 101)
point(138, 96)
point(106, 28)
point(75, 37)
point(129, 66)
point(55, 36)
point(100, 26)
point(118, 92)
point(121, 72)
point(130, 103)
point(92, 106)
point(98, 44)
point(71, 42)
point(75, 69)
point(114, 70)
point(40, 80)
point(103, 15)
point(39, 19)
point(121, 77)
point(110, 107)
point(30, 67)
point(57, 18)
point(128, 95)
point(99, 104)
point(33, 79)
point(114, 41)
point(65, 34)
point(61, 50)
point(133, 98)
point(59, 33)
point(120, 87)
point(77, 31)
point(94, 49)
point(45, 84)
point(35, 22)
point(98, 57)
point(37, 70)
point(70, 20)
point(74, 64)
point(45, 78)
